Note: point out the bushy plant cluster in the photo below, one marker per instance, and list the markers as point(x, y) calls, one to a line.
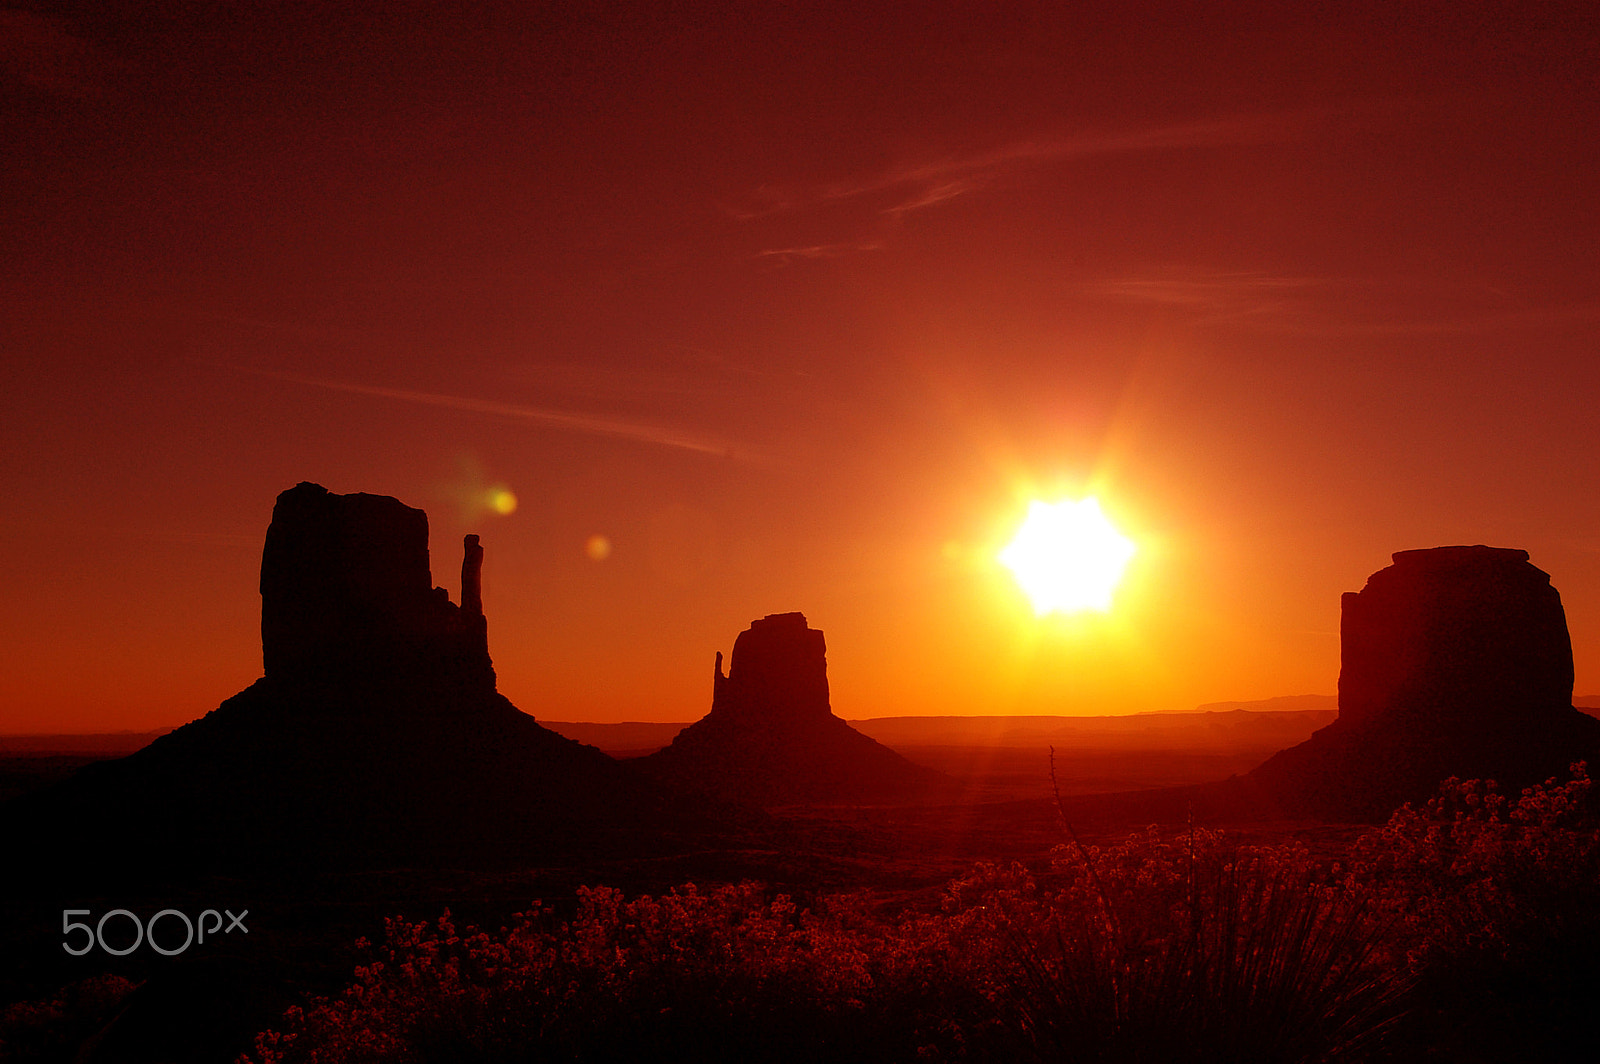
point(1427, 942)
point(728, 973)
point(1497, 905)
point(52, 1028)
point(1150, 945)
point(1191, 949)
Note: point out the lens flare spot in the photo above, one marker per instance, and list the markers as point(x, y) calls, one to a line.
point(1068, 556)
point(502, 501)
point(597, 547)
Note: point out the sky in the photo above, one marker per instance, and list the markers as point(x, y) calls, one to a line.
point(794, 307)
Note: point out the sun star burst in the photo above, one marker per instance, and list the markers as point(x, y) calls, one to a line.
point(1068, 556)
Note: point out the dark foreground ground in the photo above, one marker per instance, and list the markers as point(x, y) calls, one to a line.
point(300, 937)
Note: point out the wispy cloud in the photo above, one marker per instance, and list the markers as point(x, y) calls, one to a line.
point(933, 194)
point(615, 428)
point(929, 183)
point(1343, 306)
point(1203, 290)
point(820, 251)
point(1220, 297)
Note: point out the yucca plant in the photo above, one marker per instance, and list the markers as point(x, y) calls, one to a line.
point(1191, 950)
point(1260, 964)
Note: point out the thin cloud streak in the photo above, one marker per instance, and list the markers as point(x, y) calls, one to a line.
point(639, 432)
point(1229, 298)
point(820, 251)
point(1207, 133)
point(1333, 306)
point(934, 195)
point(1201, 292)
point(939, 181)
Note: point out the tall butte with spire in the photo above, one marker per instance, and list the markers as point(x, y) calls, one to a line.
point(374, 737)
point(347, 598)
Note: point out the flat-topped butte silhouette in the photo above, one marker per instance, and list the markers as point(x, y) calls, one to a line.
point(375, 737)
point(1455, 661)
point(771, 737)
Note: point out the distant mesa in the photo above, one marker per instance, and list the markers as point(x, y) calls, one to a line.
point(1456, 661)
point(771, 737)
point(375, 737)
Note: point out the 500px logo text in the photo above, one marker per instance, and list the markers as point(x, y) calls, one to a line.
point(194, 932)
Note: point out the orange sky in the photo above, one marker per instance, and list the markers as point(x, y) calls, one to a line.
point(798, 310)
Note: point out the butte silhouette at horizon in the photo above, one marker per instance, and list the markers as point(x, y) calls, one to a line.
point(375, 737)
point(1454, 661)
point(772, 738)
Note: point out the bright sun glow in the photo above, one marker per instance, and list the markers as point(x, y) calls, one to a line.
point(1067, 556)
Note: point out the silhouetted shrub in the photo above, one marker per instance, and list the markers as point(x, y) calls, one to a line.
point(1190, 950)
point(720, 975)
point(52, 1029)
point(1499, 902)
point(1467, 930)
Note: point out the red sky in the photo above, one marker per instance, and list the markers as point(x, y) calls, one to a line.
point(798, 308)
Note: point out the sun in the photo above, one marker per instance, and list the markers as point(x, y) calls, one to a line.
point(1068, 556)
